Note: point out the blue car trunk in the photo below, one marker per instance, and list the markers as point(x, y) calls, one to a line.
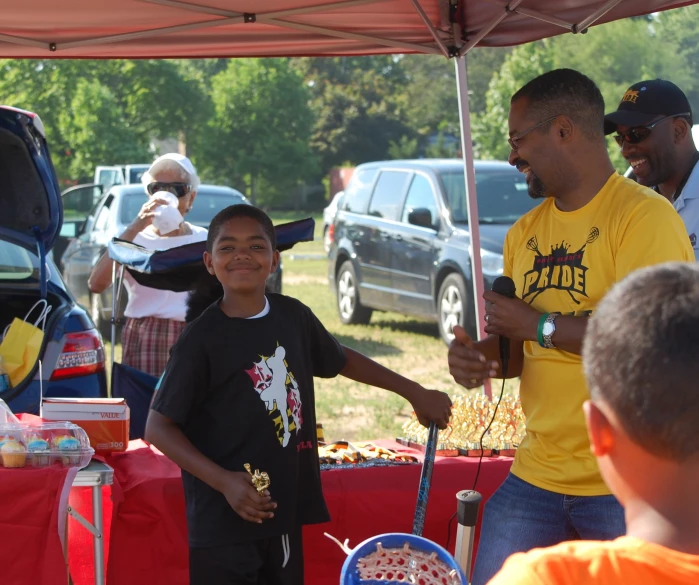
point(32, 211)
point(31, 216)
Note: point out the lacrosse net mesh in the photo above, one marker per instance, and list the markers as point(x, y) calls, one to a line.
point(405, 565)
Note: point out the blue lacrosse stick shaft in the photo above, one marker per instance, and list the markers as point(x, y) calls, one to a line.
point(425, 480)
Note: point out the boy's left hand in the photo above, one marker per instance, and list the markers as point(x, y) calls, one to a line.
point(432, 406)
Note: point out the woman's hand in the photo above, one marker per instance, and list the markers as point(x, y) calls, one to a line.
point(145, 215)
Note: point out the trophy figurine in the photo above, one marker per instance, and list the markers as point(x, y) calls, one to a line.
point(259, 479)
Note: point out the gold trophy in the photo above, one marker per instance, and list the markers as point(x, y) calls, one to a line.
point(259, 479)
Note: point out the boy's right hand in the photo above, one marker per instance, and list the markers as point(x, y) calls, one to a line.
point(467, 365)
point(244, 499)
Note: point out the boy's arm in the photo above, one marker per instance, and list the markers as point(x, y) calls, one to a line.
point(429, 405)
point(237, 487)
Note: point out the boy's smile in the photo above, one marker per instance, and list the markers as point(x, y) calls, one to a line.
point(242, 257)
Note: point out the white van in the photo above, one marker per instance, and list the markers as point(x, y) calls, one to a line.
point(119, 175)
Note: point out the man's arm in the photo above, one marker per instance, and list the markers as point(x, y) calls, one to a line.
point(429, 405)
point(517, 320)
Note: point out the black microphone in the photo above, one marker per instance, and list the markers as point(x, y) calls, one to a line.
point(504, 286)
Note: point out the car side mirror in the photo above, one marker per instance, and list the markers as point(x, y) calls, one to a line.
point(422, 217)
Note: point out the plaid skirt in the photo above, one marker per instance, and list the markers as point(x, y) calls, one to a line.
point(146, 343)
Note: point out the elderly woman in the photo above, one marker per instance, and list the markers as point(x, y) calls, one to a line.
point(154, 318)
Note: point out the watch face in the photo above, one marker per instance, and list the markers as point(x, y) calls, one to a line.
point(548, 328)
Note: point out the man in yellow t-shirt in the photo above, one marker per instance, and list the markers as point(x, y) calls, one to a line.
point(640, 355)
point(592, 228)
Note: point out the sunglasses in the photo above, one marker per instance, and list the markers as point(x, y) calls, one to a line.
point(640, 133)
point(514, 140)
point(177, 189)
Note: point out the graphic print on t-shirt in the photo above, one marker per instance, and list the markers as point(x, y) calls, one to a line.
point(279, 390)
point(561, 269)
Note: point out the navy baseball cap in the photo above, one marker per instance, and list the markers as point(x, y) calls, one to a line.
point(644, 101)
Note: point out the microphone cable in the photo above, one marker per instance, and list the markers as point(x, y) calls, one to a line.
point(480, 442)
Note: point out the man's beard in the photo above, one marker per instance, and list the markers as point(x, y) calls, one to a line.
point(536, 189)
point(662, 167)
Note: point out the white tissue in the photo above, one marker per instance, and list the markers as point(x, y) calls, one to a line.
point(166, 218)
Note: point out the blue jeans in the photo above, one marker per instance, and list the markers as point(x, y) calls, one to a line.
point(520, 517)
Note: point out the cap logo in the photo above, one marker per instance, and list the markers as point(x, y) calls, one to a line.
point(630, 96)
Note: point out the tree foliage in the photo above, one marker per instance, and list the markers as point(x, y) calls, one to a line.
point(614, 55)
point(271, 127)
point(260, 130)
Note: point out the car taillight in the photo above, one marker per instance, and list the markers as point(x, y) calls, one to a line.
point(82, 354)
point(331, 233)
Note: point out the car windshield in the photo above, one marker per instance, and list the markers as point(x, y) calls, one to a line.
point(17, 263)
point(205, 207)
point(136, 173)
point(502, 195)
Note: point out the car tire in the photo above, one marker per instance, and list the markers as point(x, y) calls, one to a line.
point(453, 307)
point(102, 325)
point(349, 307)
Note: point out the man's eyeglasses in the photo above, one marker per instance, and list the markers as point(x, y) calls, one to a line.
point(514, 140)
point(177, 189)
point(640, 133)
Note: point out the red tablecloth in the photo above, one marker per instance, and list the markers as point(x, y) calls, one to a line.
point(31, 551)
point(148, 541)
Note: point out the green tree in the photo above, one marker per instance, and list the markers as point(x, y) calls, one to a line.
point(97, 130)
point(260, 132)
point(359, 107)
point(614, 55)
point(522, 65)
point(153, 99)
point(679, 28)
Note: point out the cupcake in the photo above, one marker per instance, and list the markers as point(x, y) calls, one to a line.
point(38, 448)
point(13, 453)
point(69, 448)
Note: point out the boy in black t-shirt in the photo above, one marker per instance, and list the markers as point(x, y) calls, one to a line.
point(238, 389)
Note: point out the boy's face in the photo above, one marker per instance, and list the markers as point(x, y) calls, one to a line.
point(242, 256)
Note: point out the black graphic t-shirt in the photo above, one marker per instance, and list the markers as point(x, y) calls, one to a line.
point(242, 392)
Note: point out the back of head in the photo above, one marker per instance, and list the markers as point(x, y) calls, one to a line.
point(236, 211)
point(566, 92)
point(640, 358)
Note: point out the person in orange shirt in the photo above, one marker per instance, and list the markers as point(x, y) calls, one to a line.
point(640, 360)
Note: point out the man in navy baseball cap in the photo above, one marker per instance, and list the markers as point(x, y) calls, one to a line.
point(645, 102)
point(653, 127)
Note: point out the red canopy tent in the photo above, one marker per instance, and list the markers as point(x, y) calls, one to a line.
point(112, 29)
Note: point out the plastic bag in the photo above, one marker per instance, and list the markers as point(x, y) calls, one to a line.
point(22, 343)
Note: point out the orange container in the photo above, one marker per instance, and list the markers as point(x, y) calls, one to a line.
point(105, 420)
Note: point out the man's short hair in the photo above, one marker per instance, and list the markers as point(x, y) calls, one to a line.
point(240, 210)
point(641, 357)
point(569, 93)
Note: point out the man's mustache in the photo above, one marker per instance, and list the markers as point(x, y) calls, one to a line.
point(521, 164)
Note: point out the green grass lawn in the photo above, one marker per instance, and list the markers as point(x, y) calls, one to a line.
point(412, 347)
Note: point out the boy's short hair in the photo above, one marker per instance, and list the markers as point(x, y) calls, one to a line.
point(641, 357)
point(566, 92)
point(240, 210)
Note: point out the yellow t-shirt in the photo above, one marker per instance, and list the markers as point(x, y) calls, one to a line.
point(566, 262)
point(624, 560)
